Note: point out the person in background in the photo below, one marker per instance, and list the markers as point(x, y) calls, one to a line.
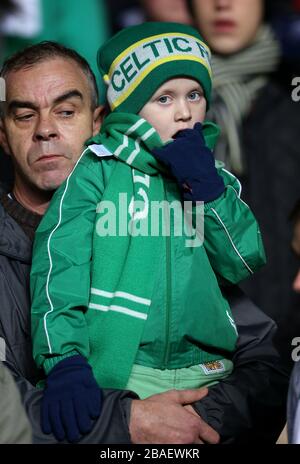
point(293, 412)
point(260, 124)
point(125, 13)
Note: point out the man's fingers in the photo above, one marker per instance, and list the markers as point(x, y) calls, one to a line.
point(207, 433)
point(191, 396)
point(198, 442)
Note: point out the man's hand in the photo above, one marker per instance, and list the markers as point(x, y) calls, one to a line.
point(164, 418)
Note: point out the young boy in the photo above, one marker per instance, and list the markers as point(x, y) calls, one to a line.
point(143, 309)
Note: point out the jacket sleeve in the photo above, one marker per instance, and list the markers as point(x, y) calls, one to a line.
point(250, 404)
point(60, 275)
point(232, 237)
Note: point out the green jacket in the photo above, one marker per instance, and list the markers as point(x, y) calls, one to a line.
point(182, 328)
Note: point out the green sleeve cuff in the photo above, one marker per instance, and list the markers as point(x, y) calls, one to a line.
point(49, 363)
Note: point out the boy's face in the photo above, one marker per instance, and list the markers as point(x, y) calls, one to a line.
point(178, 104)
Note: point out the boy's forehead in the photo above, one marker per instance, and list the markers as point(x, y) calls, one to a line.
point(180, 83)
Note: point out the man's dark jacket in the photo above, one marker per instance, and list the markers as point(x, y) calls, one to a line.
point(248, 406)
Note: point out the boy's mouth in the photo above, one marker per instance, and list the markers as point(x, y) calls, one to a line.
point(177, 132)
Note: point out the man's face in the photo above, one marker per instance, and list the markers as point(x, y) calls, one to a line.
point(228, 25)
point(48, 117)
point(178, 104)
point(296, 249)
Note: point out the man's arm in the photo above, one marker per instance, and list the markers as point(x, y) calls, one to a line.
point(125, 419)
point(250, 404)
point(110, 427)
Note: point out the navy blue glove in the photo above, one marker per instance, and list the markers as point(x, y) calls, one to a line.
point(193, 165)
point(72, 399)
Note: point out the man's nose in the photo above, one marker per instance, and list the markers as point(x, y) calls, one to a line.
point(296, 283)
point(183, 111)
point(45, 129)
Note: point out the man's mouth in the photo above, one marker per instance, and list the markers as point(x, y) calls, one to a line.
point(50, 157)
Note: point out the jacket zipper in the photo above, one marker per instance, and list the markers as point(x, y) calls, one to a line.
point(168, 294)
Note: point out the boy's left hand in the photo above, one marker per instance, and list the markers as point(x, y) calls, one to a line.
point(193, 165)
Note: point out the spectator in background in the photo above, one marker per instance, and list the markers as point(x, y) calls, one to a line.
point(167, 10)
point(294, 390)
point(253, 105)
point(124, 13)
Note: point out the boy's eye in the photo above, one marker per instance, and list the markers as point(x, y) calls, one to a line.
point(164, 99)
point(195, 95)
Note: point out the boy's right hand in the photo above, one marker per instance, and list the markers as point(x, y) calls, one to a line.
point(192, 164)
point(72, 399)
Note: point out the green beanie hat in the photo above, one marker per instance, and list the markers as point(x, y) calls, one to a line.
point(137, 60)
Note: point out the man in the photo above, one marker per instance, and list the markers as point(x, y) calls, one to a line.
point(50, 110)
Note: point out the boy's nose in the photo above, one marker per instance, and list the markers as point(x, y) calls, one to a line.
point(296, 283)
point(183, 112)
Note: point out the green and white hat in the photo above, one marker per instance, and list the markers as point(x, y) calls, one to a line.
point(137, 60)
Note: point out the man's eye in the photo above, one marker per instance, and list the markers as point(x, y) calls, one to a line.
point(24, 117)
point(66, 113)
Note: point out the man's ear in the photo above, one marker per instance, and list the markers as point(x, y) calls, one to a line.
point(98, 116)
point(3, 138)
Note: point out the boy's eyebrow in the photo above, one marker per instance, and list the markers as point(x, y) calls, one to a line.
point(197, 88)
point(15, 104)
